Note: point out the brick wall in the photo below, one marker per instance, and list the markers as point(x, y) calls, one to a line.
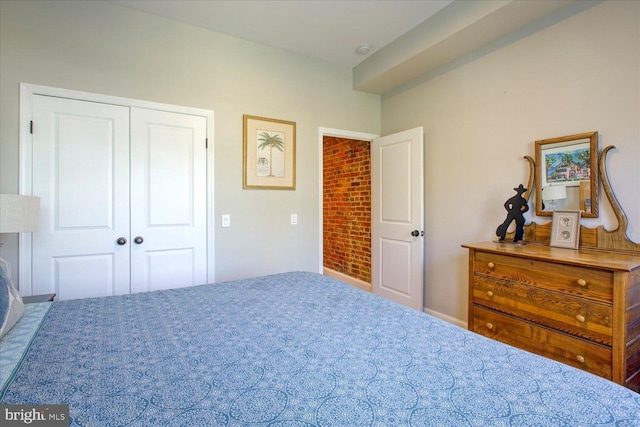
point(347, 207)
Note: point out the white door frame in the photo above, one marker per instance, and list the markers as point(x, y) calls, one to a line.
point(27, 92)
point(338, 133)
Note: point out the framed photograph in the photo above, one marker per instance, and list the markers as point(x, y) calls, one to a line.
point(565, 229)
point(269, 153)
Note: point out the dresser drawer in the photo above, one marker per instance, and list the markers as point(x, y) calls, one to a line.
point(580, 281)
point(581, 307)
point(575, 316)
point(537, 339)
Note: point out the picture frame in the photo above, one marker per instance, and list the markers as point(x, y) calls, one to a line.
point(565, 229)
point(269, 151)
point(569, 161)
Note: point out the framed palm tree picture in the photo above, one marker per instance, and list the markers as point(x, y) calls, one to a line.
point(269, 153)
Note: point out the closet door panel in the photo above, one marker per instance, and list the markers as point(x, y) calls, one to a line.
point(170, 163)
point(168, 200)
point(167, 267)
point(81, 174)
point(85, 276)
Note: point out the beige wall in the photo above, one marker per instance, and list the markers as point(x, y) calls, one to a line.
point(104, 48)
point(571, 74)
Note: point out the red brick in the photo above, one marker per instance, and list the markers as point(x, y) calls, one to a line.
point(347, 207)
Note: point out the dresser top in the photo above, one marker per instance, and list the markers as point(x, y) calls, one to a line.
point(610, 260)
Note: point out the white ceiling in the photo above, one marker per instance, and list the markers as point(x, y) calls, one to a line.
point(329, 30)
point(408, 38)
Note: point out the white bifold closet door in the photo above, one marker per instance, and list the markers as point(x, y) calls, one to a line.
point(123, 199)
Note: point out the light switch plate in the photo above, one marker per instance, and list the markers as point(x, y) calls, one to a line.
point(226, 220)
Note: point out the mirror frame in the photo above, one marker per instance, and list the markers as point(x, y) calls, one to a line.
point(564, 141)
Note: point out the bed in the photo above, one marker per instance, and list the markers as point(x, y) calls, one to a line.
point(287, 350)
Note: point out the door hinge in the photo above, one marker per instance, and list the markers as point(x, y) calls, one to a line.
point(206, 143)
point(31, 127)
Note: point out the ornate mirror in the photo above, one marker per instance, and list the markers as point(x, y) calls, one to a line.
point(567, 174)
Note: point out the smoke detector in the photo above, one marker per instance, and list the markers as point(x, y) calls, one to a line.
point(363, 49)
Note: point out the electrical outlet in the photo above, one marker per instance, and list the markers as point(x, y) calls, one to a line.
point(294, 219)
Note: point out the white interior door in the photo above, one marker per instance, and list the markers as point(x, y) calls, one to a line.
point(81, 174)
point(168, 200)
point(397, 217)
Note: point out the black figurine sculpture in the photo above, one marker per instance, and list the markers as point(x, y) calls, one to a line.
point(516, 206)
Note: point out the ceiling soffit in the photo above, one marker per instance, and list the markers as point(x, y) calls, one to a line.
point(457, 30)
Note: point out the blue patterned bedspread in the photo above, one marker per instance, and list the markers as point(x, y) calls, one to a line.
point(296, 350)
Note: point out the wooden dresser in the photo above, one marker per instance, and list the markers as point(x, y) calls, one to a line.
point(580, 307)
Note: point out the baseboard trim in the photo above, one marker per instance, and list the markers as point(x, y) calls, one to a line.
point(446, 317)
point(361, 284)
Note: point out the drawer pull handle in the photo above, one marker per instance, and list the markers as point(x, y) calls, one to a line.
point(581, 282)
point(580, 358)
point(580, 318)
point(491, 265)
point(489, 325)
point(489, 294)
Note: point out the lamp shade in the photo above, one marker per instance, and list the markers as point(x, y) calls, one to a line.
point(19, 213)
point(554, 192)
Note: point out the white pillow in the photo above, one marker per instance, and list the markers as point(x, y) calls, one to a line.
point(11, 305)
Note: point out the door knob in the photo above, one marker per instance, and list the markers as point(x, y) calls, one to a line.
point(415, 233)
point(138, 240)
point(121, 241)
